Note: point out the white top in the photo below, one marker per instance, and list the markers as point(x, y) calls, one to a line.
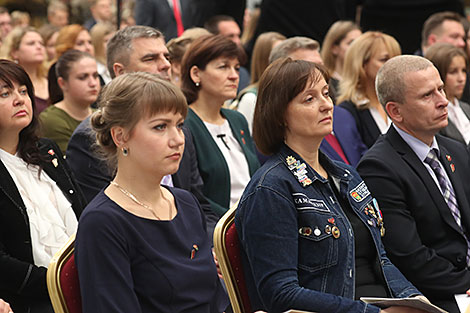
point(458, 117)
point(381, 124)
point(234, 156)
point(103, 72)
point(246, 106)
point(51, 217)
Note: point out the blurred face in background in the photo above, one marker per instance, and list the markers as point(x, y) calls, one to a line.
point(5, 24)
point(231, 30)
point(83, 43)
point(31, 49)
point(455, 78)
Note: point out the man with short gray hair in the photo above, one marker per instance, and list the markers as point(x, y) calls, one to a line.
point(297, 48)
point(417, 177)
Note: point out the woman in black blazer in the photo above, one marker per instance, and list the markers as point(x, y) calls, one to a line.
point(38, 197)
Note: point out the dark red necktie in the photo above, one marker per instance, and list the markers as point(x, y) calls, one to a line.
point(179, 21)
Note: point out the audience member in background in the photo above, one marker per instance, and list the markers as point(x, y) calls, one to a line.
point(57, 13)
point(452, 64)
point(25, 46)
point(101, 11)
point(49, 35)
point(297, 48)
point(337, 41)
point(225, 151)
point(140, 245)
point(100, 34)
point(5, 307)
point(246, 100)
point(20, 19)
point(301, 249)
point(77, 76)
point(70, 37)
point(359, 118)
point(176, 49)
point(442, 27)
point(250, 21)
point(5, 22)
point(39, 198)
point(227, 26)
point(134, 49)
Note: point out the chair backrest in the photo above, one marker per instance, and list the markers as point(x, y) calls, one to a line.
point(227, 249)
point(62, 280)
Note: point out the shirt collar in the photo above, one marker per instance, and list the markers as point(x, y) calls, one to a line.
point(420, 148)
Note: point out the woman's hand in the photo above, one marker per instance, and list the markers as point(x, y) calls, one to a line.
point(5, 307)
point(401, 309)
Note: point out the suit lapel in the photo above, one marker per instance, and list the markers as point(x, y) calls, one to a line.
point(455, 179)
point(410, 157)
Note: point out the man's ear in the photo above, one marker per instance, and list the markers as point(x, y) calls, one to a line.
point(394, 111)
point(118, 69)
point(194, 73)
point(432, 39)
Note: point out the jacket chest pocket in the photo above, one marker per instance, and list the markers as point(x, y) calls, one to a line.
point(318, 241)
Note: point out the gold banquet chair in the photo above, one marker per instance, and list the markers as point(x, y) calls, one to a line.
point(227, 249)
point(62, 280)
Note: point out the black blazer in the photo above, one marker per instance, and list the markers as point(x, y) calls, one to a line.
point(451, 130)
point(22, 283)
point(422, 238)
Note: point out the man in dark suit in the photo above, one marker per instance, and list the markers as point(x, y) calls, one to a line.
point(417, 178)
point(135, 48)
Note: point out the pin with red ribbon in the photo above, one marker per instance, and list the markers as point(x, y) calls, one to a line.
point(452, 167)
point(51, 152)
point(448, 157)
point(193, 251)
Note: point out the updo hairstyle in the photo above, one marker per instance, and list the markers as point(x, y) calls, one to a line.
point(127, 99)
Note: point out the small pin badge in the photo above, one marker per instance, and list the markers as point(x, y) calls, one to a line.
point(370, 222)
point(55, 162)
point(452, 167)
point(331, 220)
point(328, 229)
point(51, 152)
point(448, 157)
point(193, 251)
point(335, 231)
point(306, 231)
point(317, 232)
point(242, 132)
point(243, 140)
point(299, 170)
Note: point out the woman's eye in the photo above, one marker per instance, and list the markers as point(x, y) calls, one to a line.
point(160, 126)
point(309, 99)
point(24, 91)
point(4, 94)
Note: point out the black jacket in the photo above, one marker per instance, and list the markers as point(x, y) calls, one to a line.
point(22, 283)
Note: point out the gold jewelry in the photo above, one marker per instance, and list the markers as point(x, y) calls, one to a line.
point(134, 198)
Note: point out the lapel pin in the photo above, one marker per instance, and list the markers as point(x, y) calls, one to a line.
point(336, 232)
point(242, 132)
point(193, 251)
point(55, 162)
point(448, 158)
point(51, 152)
point(331, 220)
point(452, 167)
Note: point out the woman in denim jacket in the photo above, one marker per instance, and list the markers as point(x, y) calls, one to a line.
point(309, 228)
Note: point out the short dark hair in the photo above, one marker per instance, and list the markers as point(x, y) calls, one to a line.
point(28, 149)
point(119, 47)
point(200, 53)
point(280, 83)
point(435, 21)
point(212, 24)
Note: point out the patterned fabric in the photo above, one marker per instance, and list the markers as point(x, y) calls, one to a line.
point(447, 191)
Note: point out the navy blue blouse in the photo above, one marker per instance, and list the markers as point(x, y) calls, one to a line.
point(128, 263)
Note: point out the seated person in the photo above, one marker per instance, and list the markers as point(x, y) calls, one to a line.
point(77, 76)
point(309, 228)
point(39, 199)
point(419, 178)
point(142, 246)
point(452, 64)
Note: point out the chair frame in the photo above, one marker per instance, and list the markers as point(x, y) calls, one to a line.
point(220, 248)
point(53, 276)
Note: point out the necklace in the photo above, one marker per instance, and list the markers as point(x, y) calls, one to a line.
point(134, 198)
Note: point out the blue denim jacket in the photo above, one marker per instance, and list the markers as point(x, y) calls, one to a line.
point(292, 256)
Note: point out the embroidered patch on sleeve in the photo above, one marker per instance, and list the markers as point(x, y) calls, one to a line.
point(360, 192)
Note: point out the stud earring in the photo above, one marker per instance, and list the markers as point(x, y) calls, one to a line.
point(125, 151)
point(197, 84)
